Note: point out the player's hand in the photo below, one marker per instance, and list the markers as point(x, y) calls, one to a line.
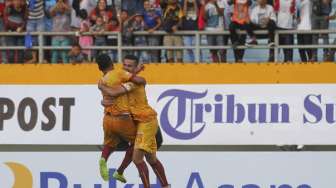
point(106, 103)
point(101, 85)
point(139, 68)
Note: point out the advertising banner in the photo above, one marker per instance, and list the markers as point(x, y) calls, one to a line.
point(183, 170)
point(194, 114)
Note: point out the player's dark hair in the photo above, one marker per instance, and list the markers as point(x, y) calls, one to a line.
point(133, 58)
point(104, 61)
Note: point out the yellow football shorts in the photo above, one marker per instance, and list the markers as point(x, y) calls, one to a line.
point(145, 138)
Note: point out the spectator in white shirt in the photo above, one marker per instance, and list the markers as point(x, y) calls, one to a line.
point(214, 11)
point(263, 17)
point(304, 18)
point(285, 11)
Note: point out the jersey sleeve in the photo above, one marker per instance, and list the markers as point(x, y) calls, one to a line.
point(124, 76)
point(116, 77)
point(110, 79)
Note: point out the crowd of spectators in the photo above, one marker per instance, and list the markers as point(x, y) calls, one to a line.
point(129, 16)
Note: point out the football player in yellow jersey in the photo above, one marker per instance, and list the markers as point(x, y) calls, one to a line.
point(118, 124)
point(147, 124)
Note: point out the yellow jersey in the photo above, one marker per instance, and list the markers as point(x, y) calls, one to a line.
point(119, 104)
point(139, 107)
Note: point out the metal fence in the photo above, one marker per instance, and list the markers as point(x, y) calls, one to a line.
point(197, 47)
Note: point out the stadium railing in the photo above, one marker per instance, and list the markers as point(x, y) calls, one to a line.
point(197, 47)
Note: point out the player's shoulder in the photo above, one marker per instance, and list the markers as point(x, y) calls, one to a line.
point(109, 75)
point(122, 73)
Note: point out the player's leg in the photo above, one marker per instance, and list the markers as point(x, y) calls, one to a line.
point(107, 150)
point(119, 173)
point(138, 160)
point(110, 143)
point(127, 131)
point(140, 149)
point(151, 131)
point(145, 144)
point(157, 168)
point(129, 152)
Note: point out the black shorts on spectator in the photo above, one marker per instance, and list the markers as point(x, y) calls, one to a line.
point(270, 27)
point(287, 39)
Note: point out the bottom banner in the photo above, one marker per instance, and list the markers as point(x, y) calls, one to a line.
point(183, 170)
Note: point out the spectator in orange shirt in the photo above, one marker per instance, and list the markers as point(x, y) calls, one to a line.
point(241, 20)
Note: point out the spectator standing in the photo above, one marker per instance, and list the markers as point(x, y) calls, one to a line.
point(85, 40)
point(138, 24)
point(152, 19)
point(263, 17)
point(333, 50)
point(285, 11)
point(61, 23)
point(35, 23)
point(3, 56)
point(189, 23)
point(320, 20)
point(228, 11)
point(99, 40)
point(214, 11)
point(172, 20)
point(305, 11)
point(112, 40)
point(126, 30)
point(48, 5)
point(201, 23)
point(15, 19)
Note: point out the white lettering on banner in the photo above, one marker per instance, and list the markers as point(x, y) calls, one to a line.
point(253, 114)
point(205, 170)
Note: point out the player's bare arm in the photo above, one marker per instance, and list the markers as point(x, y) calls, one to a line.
point(114, 91)
point(138, 80)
